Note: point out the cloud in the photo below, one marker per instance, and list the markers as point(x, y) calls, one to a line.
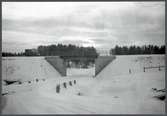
point(99, 24)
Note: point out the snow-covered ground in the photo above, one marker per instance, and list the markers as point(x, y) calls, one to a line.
point(113, 91)
point(27, 68)
point(81, 71)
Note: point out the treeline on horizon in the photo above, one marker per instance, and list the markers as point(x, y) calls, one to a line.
point(4, 54)
point(58, 50)
point(131, 50)
point(76, 51)
point(67, 51)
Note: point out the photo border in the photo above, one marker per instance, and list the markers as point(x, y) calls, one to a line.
point(84, 1)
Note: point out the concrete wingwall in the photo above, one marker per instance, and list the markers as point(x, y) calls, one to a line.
point(57, 63)
point(101, 62)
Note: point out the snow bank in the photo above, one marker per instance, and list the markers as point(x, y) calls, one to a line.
point(27, 68)
point(123, 63)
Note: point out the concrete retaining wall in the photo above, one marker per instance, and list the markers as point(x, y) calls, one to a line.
point(101, 62)
point(57, 63)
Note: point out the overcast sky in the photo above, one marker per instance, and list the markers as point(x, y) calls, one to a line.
point(99, 24)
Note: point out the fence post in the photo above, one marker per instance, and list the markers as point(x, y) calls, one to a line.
point(65, 86)
point(159, 68)
point(144, 69)
point(36, 80)
point(74, 81)
point(58, 88)
point(20, 82)
point(70, 83)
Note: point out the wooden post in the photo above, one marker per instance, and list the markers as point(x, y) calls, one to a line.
point(70, 83)
point(74, 81)
point(20, 82)
point(58, 88)
point(144, 69)
point(159, 68)
point(65, 85)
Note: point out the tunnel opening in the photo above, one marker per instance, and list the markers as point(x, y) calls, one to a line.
point(80, 66)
